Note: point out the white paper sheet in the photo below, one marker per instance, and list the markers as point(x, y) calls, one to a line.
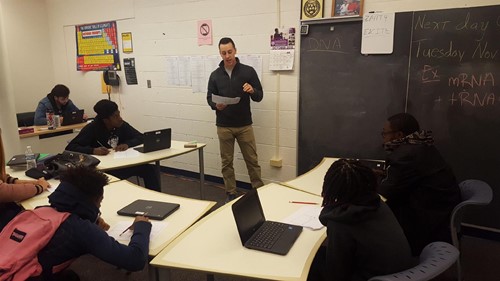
point(129, 153)
point(116, 229)
point(225, 100)
point(307, 216)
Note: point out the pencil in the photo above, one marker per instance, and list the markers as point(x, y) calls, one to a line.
point(302, 202)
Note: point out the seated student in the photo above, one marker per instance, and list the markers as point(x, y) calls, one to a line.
point(420, 187)
point(108, 130)
point(364, 238)
point(13, 190)
point(56, 101)
point(83, 232)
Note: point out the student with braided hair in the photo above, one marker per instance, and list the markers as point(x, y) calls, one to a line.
point(364, 237)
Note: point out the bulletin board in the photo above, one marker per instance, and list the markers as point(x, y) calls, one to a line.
point(97, 47)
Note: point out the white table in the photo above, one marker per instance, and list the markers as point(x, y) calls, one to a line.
point(121, 193)
point(110, 162)
point(213, 245)
point(312, 181)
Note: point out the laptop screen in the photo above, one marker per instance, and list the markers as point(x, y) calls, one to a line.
point(248, 215)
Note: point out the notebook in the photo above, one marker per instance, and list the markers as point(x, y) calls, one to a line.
point(254, 229)
point(71, 118)
point(156, 140)
point(155, 210)
point(19, 160)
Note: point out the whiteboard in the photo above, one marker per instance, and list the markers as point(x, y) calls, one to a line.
point(378, 33)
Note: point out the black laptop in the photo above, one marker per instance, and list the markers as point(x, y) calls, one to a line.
point(73, 117)
point(155, 210)
point(257, 233)
point(19, 160)
point(156, 140)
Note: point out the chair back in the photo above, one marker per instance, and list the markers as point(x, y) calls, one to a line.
point(25, 119)
point(434, 260)
point(474, 192)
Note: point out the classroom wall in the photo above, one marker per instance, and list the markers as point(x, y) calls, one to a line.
point(162, 28)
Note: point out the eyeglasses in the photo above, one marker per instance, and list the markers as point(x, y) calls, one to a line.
point(383, 134)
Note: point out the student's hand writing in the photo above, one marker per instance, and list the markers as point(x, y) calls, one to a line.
point(139, 218)
point(43, 183)
point(247, 88)
point(102, 224)
point(220, 106)
point(100, 151)
point(121, 147)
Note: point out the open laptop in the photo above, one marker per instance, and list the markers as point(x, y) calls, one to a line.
point(73, 117)
point(155, 210)
point(373, 164)
point(253, 227)
point(156, 140)
point(19, 160)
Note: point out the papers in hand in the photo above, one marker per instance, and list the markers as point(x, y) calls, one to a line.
point(225, 100)
point(307, 216)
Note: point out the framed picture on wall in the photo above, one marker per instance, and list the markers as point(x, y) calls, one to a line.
point(345, 8)
point(311, 9)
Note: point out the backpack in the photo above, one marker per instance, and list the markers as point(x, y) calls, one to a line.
point(22, 239)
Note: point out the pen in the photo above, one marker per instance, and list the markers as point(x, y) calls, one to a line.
point(127, 229)
point(302, 202)
point(100, 143)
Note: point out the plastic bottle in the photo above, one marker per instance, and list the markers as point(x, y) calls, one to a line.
point(30, 158)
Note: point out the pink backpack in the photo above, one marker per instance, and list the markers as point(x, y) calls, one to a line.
point(22, 239)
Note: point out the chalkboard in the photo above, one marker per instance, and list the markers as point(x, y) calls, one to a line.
point(445, 70)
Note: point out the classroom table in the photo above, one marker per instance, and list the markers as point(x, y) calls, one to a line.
point(40, 199)
point(213, 245)
point(41, 140)
point(121, 193)
point(312, 180)
point(111, 162)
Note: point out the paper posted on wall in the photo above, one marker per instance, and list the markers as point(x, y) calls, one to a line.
point(225, 100)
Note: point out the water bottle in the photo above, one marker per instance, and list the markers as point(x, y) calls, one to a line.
point(30, 158)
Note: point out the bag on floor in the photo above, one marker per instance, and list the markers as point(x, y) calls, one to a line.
point(22, 239)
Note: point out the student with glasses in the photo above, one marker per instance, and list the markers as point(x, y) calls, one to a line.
point(419, 185)
point(57, 101)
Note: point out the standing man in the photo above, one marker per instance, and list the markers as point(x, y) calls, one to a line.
point(234, 121)
point(56, 101)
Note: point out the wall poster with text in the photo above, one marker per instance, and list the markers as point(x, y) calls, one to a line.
point(97, 47)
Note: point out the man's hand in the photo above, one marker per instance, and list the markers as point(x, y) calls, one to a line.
point(100, 151)
point(220, 106)
point(121, 147)
point(247, 88)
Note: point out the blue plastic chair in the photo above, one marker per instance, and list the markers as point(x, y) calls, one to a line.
point(474, 192)
point(434, 259)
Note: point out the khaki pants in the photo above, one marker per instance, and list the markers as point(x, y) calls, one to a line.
point(246, 140)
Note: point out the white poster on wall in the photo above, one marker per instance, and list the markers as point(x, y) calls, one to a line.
point(378, 33)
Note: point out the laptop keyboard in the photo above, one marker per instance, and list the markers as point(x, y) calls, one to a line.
point(267, 235)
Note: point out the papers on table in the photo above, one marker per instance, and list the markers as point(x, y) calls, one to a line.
point(225, 100)
point(124, 238)
point(307, 216)
point(129, 153)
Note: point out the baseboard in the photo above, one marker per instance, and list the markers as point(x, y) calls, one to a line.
point(196, 175)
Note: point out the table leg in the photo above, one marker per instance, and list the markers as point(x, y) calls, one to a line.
point(210, 277)
point(202, 172)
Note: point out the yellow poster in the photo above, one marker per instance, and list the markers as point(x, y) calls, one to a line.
point(312, 9)
point(127, 42)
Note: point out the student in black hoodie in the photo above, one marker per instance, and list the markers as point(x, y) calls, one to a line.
point(364, 237)
point(110, 131)
point(83, 232)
